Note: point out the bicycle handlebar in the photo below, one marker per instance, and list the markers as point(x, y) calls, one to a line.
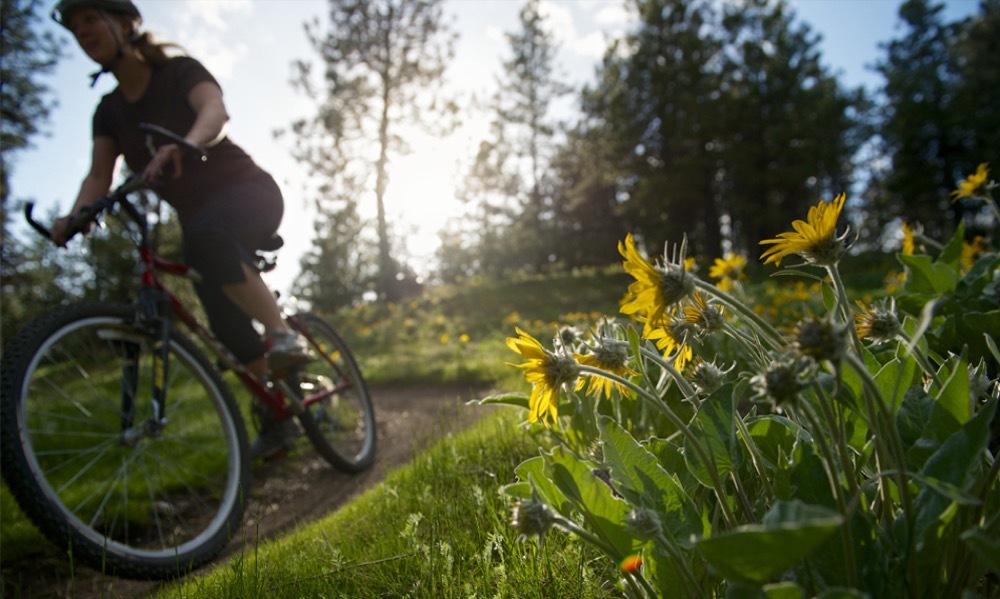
point(89, 214)
point(150, 129)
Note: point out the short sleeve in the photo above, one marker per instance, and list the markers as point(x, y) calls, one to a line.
point(189, 73)
point(101, 124)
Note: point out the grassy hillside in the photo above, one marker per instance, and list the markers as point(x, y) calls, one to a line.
point(456, 333)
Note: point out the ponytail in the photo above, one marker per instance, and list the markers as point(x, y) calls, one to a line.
point(155, 53)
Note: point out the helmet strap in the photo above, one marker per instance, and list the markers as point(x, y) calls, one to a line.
point(120, 54)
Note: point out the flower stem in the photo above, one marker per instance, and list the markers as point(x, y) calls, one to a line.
point(919, 356)
point(886, 439)
point(819, 437)
point(755, 457)
point(682, 383)
point(766, 330)
point(843, 308)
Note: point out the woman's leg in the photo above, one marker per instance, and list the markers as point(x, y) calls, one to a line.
point(255, 299)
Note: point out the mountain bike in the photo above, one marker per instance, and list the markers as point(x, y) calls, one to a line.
point(121, 440)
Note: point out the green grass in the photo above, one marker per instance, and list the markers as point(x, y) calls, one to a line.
point(436, 528)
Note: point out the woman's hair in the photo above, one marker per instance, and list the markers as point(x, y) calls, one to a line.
point(153, 51)
point(156, 53)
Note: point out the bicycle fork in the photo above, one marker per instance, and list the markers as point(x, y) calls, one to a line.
point(151, 313)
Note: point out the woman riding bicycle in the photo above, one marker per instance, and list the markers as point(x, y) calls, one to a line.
point(227, 205)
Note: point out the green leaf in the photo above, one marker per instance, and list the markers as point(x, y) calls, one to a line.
point(923, 426)
point(829, 297)
point(531, 475)
point(951, 254)
point(759, 553)
point(992, 346)
point(809, 479)
point(661, 570)
point(954, 397)
point(985, 546)
point(924, 276)
point(783, 590)
point(641, 479)
point(954, 463)
point(775, 437)
point(894, 378)
point(713, 425)
point(603, 513)
point(974, 328)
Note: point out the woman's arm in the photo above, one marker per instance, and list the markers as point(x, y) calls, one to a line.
point(210, 125)
point(209, 129)
point(103, 157)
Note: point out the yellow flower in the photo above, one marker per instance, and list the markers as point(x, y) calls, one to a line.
point(814, 239)
point(728, 268)
point(612, 358)
point(547, 372)
point(464, 338)
point(703, 313)
point(909, 246)
point(973, 186)
point(894, 281)
point(971, 251)
point(655, 288)
point(670, 342)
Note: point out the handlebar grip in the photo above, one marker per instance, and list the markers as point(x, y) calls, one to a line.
point(82, 219)
point(78, 223)
point(37, 226)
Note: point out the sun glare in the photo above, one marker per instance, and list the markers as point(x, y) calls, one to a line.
point(421, 196)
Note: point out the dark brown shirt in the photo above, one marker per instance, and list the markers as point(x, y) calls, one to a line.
point(165, 104)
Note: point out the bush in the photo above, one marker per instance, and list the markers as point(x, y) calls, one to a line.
point(709, 453)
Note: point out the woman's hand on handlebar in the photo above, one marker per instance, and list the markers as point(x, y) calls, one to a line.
point(63, 229)
point(168, 154)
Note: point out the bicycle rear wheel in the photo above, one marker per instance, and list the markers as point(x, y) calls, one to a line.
point(339, 418)
point(155, 503)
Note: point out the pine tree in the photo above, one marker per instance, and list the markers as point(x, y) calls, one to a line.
point(788, 138)
point(976, 105)
point(919, 131)
point(653, 107)
point(382, 63)
point(510, 182)
point(27, 55)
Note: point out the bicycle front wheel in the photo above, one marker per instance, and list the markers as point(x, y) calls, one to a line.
point(132, 493)
point(338, 418)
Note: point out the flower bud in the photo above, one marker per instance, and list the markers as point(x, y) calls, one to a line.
point(821, 338)
point(531, 517)
point(644, 524)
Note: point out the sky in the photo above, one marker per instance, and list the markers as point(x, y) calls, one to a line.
point(250, 45)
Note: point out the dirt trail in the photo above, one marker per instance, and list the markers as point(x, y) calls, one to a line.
point(286, 492)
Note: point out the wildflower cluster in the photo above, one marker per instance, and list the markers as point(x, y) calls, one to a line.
point(707, 453)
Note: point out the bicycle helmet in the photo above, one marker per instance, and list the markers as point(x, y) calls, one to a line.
point(65, 8)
